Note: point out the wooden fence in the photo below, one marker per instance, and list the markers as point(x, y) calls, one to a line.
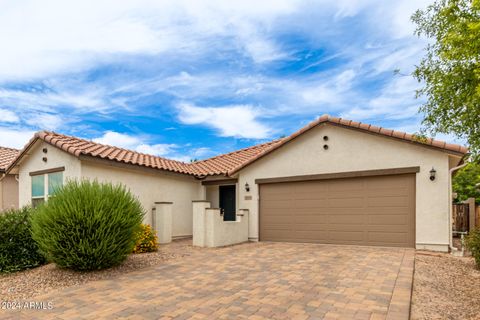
point(460, 217)
point(477, 216)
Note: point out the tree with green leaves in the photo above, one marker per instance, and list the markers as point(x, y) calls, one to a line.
point(465, 182)
point(450, 69)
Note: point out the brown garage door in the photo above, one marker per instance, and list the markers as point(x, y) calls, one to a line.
point(373, 211)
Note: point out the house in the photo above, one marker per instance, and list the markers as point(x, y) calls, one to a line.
point(334, 181)
point(8, 182)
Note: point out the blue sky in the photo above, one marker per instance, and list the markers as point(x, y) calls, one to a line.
point(192, 79)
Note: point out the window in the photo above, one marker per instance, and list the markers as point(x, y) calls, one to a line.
point(44, 186)
point(38, 190)
point(55, 181)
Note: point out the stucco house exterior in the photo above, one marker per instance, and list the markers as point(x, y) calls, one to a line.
point(334, 181)
point(8, 182)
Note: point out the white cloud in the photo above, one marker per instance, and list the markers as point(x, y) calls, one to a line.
point(136, 143)
point(8, 116)
point(73, 98)
point(46, 121)
point(395, 101)
point(15, 138)
point(156, 149)
point(121, 140)
point(231, 121)
point(59, 43)
point(140, 144)
point(44, 39)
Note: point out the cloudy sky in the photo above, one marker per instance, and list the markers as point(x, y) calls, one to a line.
point(191, 79)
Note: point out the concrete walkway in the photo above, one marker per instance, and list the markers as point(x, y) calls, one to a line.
point(248, 281)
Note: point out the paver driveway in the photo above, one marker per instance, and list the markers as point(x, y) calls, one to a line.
point(249, 281)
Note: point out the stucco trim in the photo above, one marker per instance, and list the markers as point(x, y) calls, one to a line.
point(219, 182)
point(339, 175)
point(46, 171)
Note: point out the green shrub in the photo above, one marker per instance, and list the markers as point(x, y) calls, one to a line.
point(473, 245)
point(88, 225)
point(147, 240)
point(18, 250)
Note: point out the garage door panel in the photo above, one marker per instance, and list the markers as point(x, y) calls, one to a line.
point(387, 192)
point(393, 201)
point(406, 210)
point(312, 218)
point(363, 211)
point(387, 237)
point(301, 235)
point(346, 219)
point(347, 236)
point(310, 203)
point(387, 219)
point(272, 219)
point(343, 185)
point(320, 227)
point(346, 202)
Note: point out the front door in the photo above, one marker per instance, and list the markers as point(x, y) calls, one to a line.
point(227, 202)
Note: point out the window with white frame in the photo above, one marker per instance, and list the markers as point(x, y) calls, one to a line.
point(44, 186)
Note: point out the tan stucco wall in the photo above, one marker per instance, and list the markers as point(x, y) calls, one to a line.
point(209, 229)
point(154, 187)
point(8, 192)
point(33, 162)
point(351, 150)
point(213, 196)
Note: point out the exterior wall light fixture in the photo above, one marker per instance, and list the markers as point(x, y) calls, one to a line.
point(247, 187)
point(433, 173)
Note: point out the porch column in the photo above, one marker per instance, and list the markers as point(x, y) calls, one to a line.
point(199, 221)
point(163, 221)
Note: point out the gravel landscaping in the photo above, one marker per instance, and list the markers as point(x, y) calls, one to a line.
point(445, 287)
point(29, 283)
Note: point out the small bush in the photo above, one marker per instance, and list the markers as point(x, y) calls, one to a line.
point(473, 245)
point(18, 250)
point(88, 225)
point(147, 240)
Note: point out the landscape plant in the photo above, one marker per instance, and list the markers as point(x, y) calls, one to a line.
point(146, 240)
point(18, 250)
point(450, 69)
point(88, 225)
point(473, 245)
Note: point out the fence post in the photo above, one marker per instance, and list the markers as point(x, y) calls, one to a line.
point(199, 222)
point(471, 213)
point(163, 221)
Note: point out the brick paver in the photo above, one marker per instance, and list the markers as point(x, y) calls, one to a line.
point(248, 281)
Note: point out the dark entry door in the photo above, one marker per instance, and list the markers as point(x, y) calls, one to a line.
point(227, 202)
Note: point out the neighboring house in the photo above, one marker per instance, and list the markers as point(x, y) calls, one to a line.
point(8, 182)
point(334, 181)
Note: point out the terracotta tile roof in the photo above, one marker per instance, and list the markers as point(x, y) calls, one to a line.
point(222, 164)
point(78, 147)
point(225, 164)
point(7, 155)
point(428, 142)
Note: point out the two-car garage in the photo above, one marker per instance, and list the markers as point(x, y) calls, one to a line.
point(337, 181)
point(367, 210)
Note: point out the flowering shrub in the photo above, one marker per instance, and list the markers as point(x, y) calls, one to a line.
point(147, 240)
